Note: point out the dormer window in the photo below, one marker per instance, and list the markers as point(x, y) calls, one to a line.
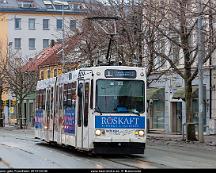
point(48, 4)
point(61, 4)
point(25, 3)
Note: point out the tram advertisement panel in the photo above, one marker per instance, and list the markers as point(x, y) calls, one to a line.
point(132, 122)
point(69, 120)
point(39, 118)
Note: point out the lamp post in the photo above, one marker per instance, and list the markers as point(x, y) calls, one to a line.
point(200, 72)
point(63, 40)
point(63, 33)
point(8, 66)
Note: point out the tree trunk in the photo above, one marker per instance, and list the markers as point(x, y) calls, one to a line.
point(20, 114)
point(189, 116)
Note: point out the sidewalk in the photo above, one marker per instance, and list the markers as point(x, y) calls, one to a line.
point(14, 127)
point(177, 140)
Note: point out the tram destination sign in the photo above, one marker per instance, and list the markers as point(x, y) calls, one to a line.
point(113, 73)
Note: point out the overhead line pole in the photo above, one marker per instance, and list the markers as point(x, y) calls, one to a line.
point(200, 71)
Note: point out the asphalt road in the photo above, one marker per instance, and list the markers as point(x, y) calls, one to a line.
point(19, 149)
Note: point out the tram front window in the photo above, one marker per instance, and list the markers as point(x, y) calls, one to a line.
point(120, 96)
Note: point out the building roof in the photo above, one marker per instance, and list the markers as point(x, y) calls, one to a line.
point(51, 55)
point(41, 6)
point(35, 62)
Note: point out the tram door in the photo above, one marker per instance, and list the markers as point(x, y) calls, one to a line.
point(82, 118)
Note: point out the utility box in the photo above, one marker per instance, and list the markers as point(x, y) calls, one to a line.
point(212, 126)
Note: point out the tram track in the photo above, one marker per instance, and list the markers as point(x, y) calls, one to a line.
point(131, 161)
point(120, 160)
point(137, 163)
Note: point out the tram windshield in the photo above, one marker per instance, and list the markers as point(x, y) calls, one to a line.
point(120, 96)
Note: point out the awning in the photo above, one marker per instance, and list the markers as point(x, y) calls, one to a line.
point(180, 92)
point(155, 93)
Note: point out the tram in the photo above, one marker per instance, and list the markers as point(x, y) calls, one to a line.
point(96, 109)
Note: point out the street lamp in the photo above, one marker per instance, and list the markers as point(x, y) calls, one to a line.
point(63, 32)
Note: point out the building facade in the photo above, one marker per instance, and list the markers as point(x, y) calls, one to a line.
point(28, 26)
point(166, 104)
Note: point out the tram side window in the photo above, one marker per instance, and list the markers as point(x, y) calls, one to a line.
point(86, 104)
point(60, 98)
point(73, 94)
point(43, 99)
point(65, 94)
point(91, 96)
point(48, 101)
point(51, 103)
point(38, 100)
point(56, 99)
point(69, 94)
point(80, 93)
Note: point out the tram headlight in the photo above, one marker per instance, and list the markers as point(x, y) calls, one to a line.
point(141, 74)
point(141, 133)
point(98, 132)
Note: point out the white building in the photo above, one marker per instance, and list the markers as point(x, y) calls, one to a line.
point(28, 26)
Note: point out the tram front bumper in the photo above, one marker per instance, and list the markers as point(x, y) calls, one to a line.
point(113, 139)
point(119, 148)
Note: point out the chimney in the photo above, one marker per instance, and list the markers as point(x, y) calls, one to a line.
point(52, 43)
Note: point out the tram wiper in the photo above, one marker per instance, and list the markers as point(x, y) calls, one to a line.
point(134, 112)
point(98, 110)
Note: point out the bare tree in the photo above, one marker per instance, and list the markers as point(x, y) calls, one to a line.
point(21, 82)
point(3, 62)
point(178, 27)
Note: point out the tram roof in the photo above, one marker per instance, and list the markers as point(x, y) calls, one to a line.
point(111, 67)
point(42, 84)
point(71, 75)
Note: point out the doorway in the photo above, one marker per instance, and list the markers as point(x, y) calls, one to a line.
point(177, 117)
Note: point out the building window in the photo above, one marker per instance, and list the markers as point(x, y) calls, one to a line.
point(77, 7)
point(58, 7)
point(48, 73)
point(17, 43)
point(175, 51)
point(55, 72)
point(45, 24)
point(17, 23)
point(49, 6)
point(59, 24)
point(25, 4)
point(42, 75)
point(31, 24)
point(45, 43)
point(72, 25)
point(31, 43)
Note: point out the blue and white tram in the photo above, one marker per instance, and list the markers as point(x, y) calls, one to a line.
point(97, 109)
